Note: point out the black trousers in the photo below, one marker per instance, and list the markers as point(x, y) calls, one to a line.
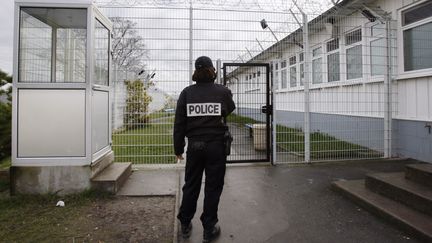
point(208, 157)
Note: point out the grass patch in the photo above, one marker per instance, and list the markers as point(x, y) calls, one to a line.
point(151, 144)
point(323, 146)
point(91, 216)
point(5, 163)
point(4, 186)
point(36, 219)
point(241, 120)
point(160, 114)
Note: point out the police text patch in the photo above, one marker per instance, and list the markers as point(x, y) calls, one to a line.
point(203, 109)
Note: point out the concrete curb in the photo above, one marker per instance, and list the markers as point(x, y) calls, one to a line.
point(177, 205)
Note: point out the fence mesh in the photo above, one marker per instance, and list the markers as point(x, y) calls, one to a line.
point(345, 63)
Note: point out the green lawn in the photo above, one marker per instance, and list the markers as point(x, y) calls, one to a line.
point(35, 218)
point(241, 120)
point(5, 163)
point(322, 145)
point(151, 144)
point(160, 114)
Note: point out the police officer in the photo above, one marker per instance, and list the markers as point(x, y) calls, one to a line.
point(199, 116)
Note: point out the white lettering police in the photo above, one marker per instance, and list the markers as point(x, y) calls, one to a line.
point(204, 109)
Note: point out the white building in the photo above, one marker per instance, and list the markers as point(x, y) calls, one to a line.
point(347, 66)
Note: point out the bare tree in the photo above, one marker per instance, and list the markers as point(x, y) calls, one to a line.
point(129, 50)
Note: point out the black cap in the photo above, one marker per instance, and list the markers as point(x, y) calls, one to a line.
point(203, 62)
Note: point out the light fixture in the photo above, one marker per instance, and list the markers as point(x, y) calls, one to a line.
point(367, 14)
point(264, 25)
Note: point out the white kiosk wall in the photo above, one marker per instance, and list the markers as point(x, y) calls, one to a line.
point(51, 123)
point(100, 104)
point(61, 98)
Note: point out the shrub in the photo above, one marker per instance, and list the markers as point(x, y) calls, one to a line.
point(137, 103)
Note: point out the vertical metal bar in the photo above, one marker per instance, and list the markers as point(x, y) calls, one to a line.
point(53, 53)
point(190, 42)
point(89, 83)
point(16, 76)
point(274, 124)
point(306, 89)
point(387, 93)
point(218, 73)
point(224, 75)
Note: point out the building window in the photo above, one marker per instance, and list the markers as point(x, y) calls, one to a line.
point(284, 75)
point(247, 82)
point(333, 60)
point(377, 50)
point(353, 37)
point(258, 82)
point(417, 40)
point(276, 76)
point(354, 54)
point(301, 60)
point(293, 71)
point(317, 65)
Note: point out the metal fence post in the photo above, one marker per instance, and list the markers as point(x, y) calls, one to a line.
point(387, 93)
point(218, 71)
point(306, 88)
point(190, 42)
point(274, 122)
point(113, 95)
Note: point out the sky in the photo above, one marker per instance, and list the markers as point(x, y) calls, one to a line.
point(239, 29)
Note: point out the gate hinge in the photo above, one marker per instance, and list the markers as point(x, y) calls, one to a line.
point(267, 109)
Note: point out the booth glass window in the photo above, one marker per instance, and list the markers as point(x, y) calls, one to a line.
point(101, 54)
point(52, 45)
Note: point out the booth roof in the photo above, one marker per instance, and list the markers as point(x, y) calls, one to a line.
point(56, 1)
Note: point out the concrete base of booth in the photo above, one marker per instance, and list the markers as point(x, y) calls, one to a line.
point(60, 180)
point(50, 179)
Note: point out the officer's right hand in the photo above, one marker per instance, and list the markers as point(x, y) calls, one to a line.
point(180, 157)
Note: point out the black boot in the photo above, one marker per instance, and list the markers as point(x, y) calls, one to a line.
point(186, 230)
point(211, 234)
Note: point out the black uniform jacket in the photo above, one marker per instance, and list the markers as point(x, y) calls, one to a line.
point(199, 114)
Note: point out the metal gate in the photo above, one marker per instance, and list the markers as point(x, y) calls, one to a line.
point(250, 123)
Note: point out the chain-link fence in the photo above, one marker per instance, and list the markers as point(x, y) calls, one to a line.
point(330, 80)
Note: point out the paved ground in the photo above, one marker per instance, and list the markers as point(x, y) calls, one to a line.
point(242, 147)
point(289, 204)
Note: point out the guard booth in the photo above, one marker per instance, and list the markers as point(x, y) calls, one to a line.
point(61, 96)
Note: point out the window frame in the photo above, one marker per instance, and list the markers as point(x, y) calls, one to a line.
point(108, 81)
point(289, 74)
point(402, 74)
point(284, 69)
point(360, 43)
point(316, 57)
point(301, 65)
point(332, 52)
point(372, 38)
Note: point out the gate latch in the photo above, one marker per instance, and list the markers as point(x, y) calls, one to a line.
point(267, 109)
